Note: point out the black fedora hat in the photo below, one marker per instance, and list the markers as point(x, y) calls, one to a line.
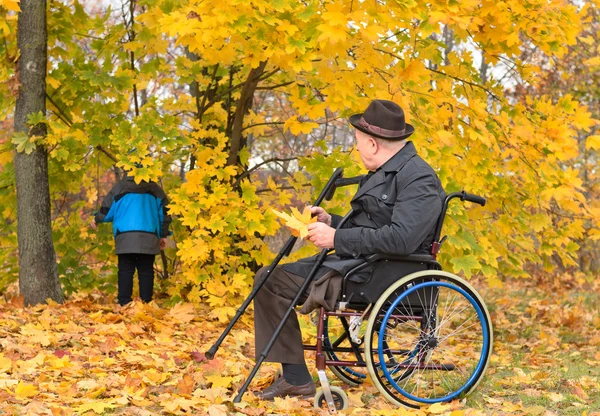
point(383, 119)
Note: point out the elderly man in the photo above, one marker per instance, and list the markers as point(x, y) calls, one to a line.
point(394, 212)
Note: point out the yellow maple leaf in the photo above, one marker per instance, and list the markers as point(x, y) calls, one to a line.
point(297, 221)
point(495, 282)
point(286, 404)
point(183, 312)
point(223, 314)
point(154, 377)
point(94, 394)
point(97, 407)
point(25, 390)
point(11, 5)
point(592, 62)
point(57, 363)
point(355, 399)
point(54, 83)
point(593, 142)
point(40, 337)
point(5, 364)
point(217, 410)
point(212, 393)
point(438, 408)
point(173, 405)
point(332, 33)
point(218, 380)
point(445, 137)
point(295, 126)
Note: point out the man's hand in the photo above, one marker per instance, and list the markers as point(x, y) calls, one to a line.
point(321, 214)
point(162, 243)
point(93, 224)
point(321, 234)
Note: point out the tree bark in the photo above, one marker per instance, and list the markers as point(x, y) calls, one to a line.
point(243, 106)
point(38, 274)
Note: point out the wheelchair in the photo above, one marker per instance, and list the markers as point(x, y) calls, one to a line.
point(422, 335)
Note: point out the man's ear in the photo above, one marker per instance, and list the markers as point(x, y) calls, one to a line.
point(373, 145)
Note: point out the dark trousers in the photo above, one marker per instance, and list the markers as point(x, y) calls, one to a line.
point(128, 263)
point(270, 304)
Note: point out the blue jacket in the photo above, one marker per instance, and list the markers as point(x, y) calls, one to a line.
point(139, 216)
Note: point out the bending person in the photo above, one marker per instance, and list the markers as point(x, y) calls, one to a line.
point(141, 222)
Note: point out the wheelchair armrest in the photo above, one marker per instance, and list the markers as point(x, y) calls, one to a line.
point(411, 258)
point(375, 258)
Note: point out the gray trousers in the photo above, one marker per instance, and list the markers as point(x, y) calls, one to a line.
point(270, 304)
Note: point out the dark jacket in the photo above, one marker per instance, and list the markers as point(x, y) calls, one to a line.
point(139, 216)
point(393, 212)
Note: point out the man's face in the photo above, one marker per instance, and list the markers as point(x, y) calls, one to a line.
point(367, 148)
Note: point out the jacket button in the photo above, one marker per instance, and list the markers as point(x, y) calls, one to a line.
point(369, 216)
point(355, 254)
point(384, 196)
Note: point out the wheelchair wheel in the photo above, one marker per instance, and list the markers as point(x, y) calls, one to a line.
point(429, 339)
point(340, 399)
point(338, 346)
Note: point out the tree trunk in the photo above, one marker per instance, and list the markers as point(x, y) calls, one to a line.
point(38, 275)
point(243, 106)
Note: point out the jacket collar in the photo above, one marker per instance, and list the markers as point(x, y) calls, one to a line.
point(397, 162)
point(394, 164)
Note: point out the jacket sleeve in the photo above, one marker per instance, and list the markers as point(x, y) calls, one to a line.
point(163, 212)
point(102, 214)
point(416, 210)
point(335, 220)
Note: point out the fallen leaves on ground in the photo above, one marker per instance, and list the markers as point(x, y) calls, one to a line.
point(87, 358)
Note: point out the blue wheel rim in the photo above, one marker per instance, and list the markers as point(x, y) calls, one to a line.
point(484, 348)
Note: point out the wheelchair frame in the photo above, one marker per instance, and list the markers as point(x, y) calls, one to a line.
point(417, 358)
point(385, 370)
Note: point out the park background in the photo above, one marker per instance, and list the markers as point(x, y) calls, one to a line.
point(237, 107)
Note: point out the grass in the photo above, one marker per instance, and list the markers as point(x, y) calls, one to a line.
point(546, 349)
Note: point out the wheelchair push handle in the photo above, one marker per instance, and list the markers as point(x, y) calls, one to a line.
point(473, 198)
point(348, 181)
point(463, 196)
point(329, 188)
point(341, 182)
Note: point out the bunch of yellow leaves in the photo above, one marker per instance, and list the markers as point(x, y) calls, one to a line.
point(297, 222)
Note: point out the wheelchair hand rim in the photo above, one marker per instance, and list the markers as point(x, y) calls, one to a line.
point(484, 348)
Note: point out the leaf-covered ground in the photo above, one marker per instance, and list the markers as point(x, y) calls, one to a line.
point(91, 357)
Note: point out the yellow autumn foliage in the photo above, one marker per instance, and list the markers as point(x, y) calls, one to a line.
point(239, 107)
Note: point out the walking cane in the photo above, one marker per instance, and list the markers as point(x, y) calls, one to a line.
point(327, 192)
point(307, 282)
point(263, 354)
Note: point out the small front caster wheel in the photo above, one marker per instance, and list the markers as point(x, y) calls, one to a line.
point(340, 399)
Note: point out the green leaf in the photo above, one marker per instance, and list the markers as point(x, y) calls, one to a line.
point(23, 142)
point(34, 119)
point(248, 192)
point(244, 156)
point(307, 13)
point(61, 154)
point(466, 264)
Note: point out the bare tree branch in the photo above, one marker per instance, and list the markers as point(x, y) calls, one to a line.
point(264, 162)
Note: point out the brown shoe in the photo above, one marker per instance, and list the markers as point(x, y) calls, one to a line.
point(281, 388)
